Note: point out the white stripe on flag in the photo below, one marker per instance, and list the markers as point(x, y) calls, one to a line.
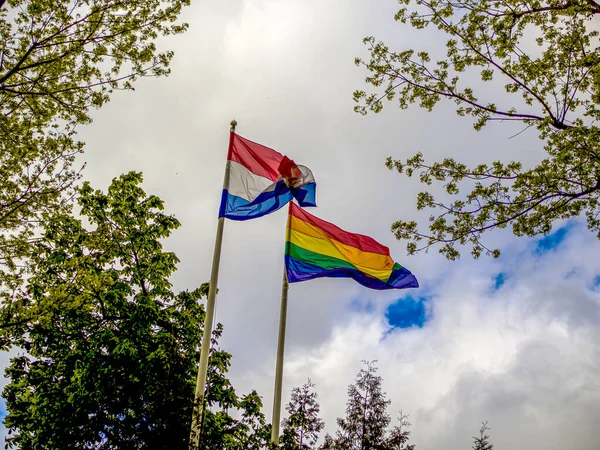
point(245, 184)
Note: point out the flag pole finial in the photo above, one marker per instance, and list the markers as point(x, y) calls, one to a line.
point(233, 125)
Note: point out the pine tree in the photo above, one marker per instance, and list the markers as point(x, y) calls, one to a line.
point(303, 424)
point(482, 442)
point(399, 435)
point(364, 427)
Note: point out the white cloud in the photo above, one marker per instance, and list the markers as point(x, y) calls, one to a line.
point(524, 357)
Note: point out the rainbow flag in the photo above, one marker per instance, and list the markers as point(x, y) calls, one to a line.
point(315, 249)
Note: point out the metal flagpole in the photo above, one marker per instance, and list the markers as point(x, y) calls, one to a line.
point(280, 346)
point(198, 409)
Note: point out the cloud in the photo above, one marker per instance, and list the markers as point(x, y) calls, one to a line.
point(524, 357)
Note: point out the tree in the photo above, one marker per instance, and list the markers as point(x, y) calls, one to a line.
point(251, 431)
point(366, 419)
point(365, 426)
point(58, 60)
point(545, 54)
point(399, 436)
point(482, 442)
point(111, 351)
point(303, 424)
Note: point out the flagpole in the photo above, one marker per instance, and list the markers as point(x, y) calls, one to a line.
point(198, 408)
point(280, 347)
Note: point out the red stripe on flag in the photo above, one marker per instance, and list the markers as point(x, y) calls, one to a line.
point(359, 241)
point(260, 160)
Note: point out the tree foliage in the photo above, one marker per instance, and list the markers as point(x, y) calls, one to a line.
point(109, 351)
point(303, 424)
point(365, 426)
point(58, 60)
point(545, 53)
point(482, 442)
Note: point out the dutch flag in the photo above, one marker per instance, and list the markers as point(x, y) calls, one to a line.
point(260, 180)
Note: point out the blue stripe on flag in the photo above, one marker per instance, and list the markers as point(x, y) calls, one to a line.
point(237, 208)
point(298, 270)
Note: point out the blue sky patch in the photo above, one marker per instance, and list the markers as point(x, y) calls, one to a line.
point(362, 305)
point(573, 273)
point(499, 280)
point(596, 283)
point(407, 312)
point(553, 240)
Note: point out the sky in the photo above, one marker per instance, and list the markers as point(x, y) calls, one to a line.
point(512, 341)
